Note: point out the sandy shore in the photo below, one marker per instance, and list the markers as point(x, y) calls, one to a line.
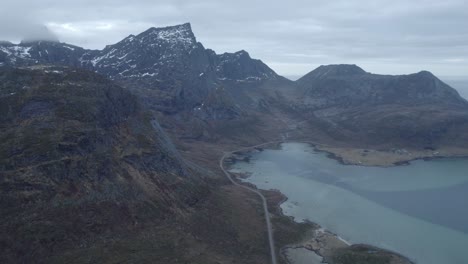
point(372, 157)
point(387, 158)
point(331, 247)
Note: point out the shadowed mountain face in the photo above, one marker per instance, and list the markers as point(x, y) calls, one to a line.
point(80, 160)
point(413, 110)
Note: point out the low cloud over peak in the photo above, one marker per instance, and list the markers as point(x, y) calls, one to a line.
point(15, 28)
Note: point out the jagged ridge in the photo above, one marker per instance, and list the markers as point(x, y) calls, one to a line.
point(165, 64)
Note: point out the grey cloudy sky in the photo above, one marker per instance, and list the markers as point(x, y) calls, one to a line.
point(292, 37)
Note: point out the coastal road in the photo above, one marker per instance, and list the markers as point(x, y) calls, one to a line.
point(271, 241)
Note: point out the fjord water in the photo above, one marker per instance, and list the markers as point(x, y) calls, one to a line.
point(419, 210)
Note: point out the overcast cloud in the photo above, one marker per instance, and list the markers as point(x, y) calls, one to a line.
point(292, 37)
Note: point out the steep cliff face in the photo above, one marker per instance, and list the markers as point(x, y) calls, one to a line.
point(81, 161)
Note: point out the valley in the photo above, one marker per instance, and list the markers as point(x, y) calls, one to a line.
point(116, 155)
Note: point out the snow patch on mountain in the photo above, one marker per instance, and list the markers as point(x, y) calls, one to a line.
point(22, 52)
point(68, 47)
point(5, 50)
point(176, 35)
point(17, 51)
point(171, 55)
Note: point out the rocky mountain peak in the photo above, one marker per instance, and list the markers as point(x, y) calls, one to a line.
point(242, 53)
point(173, 34)
point(168, 61)
point(426, 74)
point(336, 70)
point(26, 42)
point(152, 54)
point(239, 66)
point(39, 52)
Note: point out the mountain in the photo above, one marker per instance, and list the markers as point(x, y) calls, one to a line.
point(240, 67)
point(166, 66)
point(347, 85)
point(416, 110)
point(326, 71)
point(196, 91)
point(111, 156)
point(82, 162)
point(39, 52)
point(168, 62)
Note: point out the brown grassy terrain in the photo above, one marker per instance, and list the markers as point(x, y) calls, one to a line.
point(286, 231)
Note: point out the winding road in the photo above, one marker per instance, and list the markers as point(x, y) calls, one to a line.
point(265, 206)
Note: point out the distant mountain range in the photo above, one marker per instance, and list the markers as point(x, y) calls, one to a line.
point(174, 74)
point(167, 60)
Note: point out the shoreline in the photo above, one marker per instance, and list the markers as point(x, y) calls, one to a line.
point(323, 242)
point(303, 244)
point(323, 231)
point(383, 158)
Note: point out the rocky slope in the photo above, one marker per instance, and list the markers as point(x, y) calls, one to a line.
point(81, 162)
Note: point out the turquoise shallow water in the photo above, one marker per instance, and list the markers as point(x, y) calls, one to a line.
point(419, 210)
